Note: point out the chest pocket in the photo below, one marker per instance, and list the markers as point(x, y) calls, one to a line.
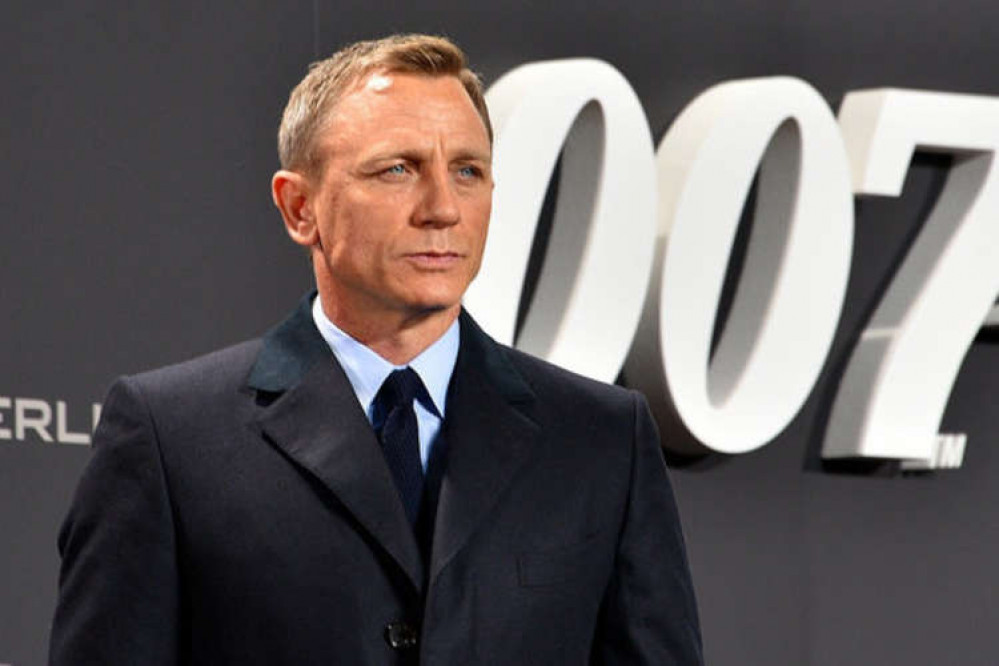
point(590, 558)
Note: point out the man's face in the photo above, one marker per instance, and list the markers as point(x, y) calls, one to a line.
point(402, 201)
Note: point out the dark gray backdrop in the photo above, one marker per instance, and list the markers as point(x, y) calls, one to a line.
point(137, 230)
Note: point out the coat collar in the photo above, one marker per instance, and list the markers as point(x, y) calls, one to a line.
point(289, 350)
point(312, 414)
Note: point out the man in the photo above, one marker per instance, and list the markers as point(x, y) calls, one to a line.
point(307, 499)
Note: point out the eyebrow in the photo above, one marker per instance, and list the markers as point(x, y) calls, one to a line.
point(416, 155)
point(474, 155)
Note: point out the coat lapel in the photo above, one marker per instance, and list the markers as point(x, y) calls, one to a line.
point(490, 434)
point(317, 422)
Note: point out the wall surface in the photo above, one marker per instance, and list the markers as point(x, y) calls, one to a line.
point(137, 230)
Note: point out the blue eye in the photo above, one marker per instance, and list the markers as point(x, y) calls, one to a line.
point(396, 169)
point(468, 172)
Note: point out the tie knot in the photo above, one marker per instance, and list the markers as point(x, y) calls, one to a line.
point(398, 390)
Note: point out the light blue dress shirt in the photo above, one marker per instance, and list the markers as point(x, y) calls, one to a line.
point(366, 371)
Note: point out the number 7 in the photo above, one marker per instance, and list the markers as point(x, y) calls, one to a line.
point(892, 396)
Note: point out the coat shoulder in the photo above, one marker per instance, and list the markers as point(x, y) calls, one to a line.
point(569, 396)
point(546, 376)
point(219, 369)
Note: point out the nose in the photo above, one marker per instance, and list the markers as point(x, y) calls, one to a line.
point(439, 202)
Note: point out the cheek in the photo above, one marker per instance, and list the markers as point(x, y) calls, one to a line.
point(477, 210)
point(351, 247)
point(367, 231)
point(481, 227)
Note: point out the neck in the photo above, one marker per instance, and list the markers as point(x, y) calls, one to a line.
point(397, 337)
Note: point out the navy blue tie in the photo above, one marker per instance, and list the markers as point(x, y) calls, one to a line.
point(395, 425)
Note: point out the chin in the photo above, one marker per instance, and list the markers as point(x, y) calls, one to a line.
point(434, 307)
point(435, 300)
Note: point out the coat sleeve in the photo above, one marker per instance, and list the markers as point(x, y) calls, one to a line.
point(649, 614)
point(118, 588)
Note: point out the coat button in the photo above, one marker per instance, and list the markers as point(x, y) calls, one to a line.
point(401, 635)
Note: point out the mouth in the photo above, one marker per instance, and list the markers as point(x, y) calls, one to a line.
point(434, 259)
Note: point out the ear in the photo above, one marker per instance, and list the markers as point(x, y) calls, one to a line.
point(292, 196)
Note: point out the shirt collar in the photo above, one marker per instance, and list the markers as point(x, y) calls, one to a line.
point(366, 370)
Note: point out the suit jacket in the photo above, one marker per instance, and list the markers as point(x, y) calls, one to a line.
point(238, 510)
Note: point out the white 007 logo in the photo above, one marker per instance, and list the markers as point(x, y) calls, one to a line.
point(641, 238)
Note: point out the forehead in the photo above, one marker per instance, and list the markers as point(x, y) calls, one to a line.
point(383, 103)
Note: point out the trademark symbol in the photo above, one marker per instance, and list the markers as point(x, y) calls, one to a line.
point(948, 453)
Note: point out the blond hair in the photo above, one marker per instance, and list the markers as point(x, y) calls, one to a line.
point(308, 111)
